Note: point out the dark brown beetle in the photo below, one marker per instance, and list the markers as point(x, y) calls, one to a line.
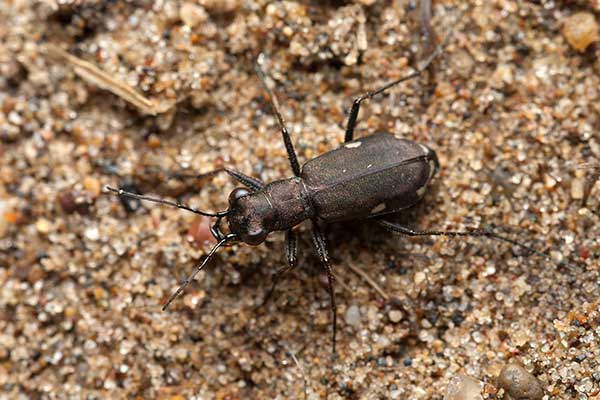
point(365, 178)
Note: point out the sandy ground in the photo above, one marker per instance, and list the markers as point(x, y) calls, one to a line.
point(511, 108)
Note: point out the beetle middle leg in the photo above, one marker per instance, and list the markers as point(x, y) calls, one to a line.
point(321, 246)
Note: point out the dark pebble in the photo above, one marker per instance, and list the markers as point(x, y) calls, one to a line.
point(71, 202)
point(130, 205)
point(457, 318)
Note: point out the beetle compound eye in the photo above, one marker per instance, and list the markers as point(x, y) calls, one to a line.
point(237, 194)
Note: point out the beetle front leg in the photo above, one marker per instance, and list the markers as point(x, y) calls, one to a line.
point(321, 246)
point(287, 141)
point(292, 251)
point(248, 181)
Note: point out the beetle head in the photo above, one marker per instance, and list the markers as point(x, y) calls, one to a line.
point(248, 216)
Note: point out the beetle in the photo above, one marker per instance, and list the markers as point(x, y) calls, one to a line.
point(364, 179)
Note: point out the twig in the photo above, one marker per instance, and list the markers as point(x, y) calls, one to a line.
point(300, 367)
point(95, 76)
point(370, 281)
point(341, 283)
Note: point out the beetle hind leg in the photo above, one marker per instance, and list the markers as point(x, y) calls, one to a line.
point(397, 228)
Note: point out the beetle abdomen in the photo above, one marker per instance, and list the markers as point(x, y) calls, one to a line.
point(369, 176)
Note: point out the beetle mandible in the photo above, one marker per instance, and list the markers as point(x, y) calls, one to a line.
point(366, 178)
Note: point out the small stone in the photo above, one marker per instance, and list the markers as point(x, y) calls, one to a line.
point(463, 387)
point(92, 185)
point(420, 277)
point(92, 234)
point(70, 312)
point(395, 316)
point(549, 182)
point(7, 217)
point(192, 14)
point(42, 225)
point(585, 385)
point(577, 188)
point(35, 274)
point(72, 201)
point(192, 300)
point(99, 293)
point(519, 383)
point(199, 233)
point(153, 141)
point(220, 6)
point(352, 316)
point(66, 200)
point(502, 76)
point(580, 30)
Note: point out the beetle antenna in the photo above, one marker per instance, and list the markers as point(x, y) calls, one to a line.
point(190, 278)
point(124, 193)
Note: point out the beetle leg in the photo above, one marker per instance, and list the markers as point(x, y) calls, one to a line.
point(289, 147)
point(291, 251)
point(291, 248)
point(248, 181)
point(321, 246)
point(396, 228)
point(350, 125)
